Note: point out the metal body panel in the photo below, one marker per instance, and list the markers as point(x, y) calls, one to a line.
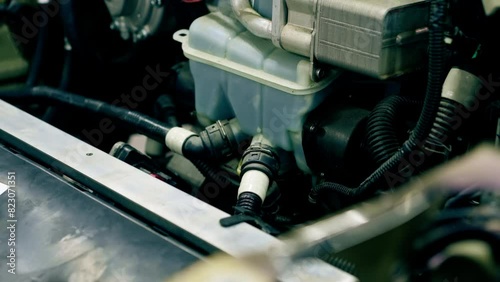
point(64, 234)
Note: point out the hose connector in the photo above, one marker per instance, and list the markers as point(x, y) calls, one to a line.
point(462, 87)
point(259, 167)
point(459, 95)
point(217, 141)
point(261, 157)
point(220, 139)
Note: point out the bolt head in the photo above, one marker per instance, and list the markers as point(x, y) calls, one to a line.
point(320, 73)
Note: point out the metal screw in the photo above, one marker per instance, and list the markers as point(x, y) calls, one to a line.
point(320, 73)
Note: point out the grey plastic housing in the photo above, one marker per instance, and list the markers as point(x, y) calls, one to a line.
point(379, 38)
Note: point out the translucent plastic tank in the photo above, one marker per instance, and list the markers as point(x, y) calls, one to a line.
point(239, 75)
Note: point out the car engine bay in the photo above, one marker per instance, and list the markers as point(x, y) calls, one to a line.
point(332, 130)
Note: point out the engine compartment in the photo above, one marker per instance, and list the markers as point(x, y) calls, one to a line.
point(279, 113)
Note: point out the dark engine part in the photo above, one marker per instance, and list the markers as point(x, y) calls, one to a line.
point(332, 141)
point(135, 158)
point(385, 124)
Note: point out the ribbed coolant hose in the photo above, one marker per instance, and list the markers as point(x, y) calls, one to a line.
point(381, 135)
point(442, 128)
point(142, 123)
point(435, 78)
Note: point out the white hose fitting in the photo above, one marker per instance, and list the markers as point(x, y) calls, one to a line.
point(176, 137)
point(256, 182)
point(461, 86)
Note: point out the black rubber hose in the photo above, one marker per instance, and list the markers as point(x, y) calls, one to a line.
point(425, 122)
point(38, 57)
point(381, 134)
point(194, 148)
point(69, 23)
point(142, 123)
point(66, 75)
point(165, 110)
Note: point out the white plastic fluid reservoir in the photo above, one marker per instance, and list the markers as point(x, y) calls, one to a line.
point(237, 74)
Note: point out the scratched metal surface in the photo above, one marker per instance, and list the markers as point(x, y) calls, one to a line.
point(64, 234)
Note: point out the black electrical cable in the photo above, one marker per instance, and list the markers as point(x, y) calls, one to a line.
point(435, 80)
point(142, 123)
point(381, 134)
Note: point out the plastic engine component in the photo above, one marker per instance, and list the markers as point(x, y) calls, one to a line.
point(239, 75)
point(375, 37)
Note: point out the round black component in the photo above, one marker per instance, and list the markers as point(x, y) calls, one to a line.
point(332, 137)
